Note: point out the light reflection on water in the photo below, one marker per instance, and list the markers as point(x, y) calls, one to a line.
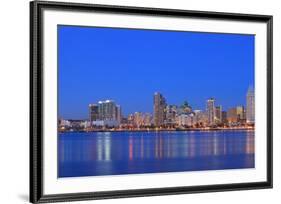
point(109, 153)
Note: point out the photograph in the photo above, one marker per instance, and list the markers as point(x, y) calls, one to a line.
point(139, 101)
point(132, 101)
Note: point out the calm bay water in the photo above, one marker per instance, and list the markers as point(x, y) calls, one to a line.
point(113, 153)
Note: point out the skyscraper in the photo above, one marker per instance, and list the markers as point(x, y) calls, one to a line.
point(118, 114)
point(147, 119)
point(224, 117)
point(138, 119)
point(240, 112)
point(232, 116)
point(107, 110)
point(170, 114)
point(218, 116)
point(211, 111)
point(159, 105)
point(93, 112)
point(250, 110)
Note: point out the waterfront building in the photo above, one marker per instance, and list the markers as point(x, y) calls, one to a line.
point(191, 119)
point(218, 114)
point(130, 119)
point(224, 117)
point(250, 109)
point(197, 116)
point(86, 124)
point(185, 108)
point(159, 105)
point(147, 119)
point(232, 116)
point(124, 122)
point(77, 124)
point(186, 120)
point(107, 110)
point(211, 111)
point(171, 112)
point(236, 114)
point(105, 123)
point(240, 113)
point(200, 118)
point(105, 113)
point(182, 119)
point(138, 119)
point(93, 112)
point(118, 114)
point(64, 123)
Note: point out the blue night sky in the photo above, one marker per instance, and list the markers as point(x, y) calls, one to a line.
point(129, 65)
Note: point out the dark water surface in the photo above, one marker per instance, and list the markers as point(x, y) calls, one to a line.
point(112, 153)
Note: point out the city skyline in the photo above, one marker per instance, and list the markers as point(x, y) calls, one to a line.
point(110, 110)
point(216, 105)
point(206, 65)
point(108, 114)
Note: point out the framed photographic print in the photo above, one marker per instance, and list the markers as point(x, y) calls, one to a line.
point(131, 101)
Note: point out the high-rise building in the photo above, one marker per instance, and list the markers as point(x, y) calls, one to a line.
point(118, 114)
point(240, 112)
point(159, 105)
point(130, 119)
point(171, 112)
point(211, 111)
point(218, 115)
point(107, 110)
point(250, 109)
point(147, 119)
point(138, 119)
point(224, 117)
point(93, 112)
point(236, 114)
point(185, 108)
point(232, 116)
point(201, 117)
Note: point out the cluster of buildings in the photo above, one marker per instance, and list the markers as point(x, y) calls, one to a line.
point(214, 116)
point(107, 114)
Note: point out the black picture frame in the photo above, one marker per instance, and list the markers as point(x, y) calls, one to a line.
point(36, 102)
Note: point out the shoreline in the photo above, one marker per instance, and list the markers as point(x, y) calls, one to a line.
point(164, 130)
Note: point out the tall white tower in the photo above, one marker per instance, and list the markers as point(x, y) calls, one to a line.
point(250, 110)
point(211, 111)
